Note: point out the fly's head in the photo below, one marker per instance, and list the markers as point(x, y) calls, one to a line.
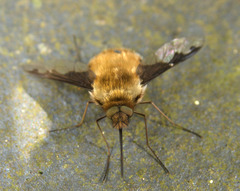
point(119, 104)
point(120, 116)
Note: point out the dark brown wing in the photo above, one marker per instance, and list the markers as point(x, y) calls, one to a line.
point(169, 55)
point(82, 79)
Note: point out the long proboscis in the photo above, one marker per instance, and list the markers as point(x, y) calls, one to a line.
point(121, 150)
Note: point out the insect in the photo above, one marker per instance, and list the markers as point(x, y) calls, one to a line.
point(117, 79)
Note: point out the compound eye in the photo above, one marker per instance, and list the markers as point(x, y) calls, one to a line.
point(100, 103)
point(126, 110)
point(137, 98)
point(110, 112)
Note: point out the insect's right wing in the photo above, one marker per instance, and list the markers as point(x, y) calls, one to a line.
point(63, 73)
point(168, 56)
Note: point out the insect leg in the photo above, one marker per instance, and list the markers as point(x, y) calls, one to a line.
point(78, 125)
point(146, 131)
point(174, 124)
point(77, 48)
point(105, 172)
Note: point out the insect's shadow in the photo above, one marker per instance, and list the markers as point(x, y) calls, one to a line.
point(59, 101)
point(144, 149)
point(64, 106)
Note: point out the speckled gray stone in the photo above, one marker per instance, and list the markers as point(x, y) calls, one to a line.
point(201, 94)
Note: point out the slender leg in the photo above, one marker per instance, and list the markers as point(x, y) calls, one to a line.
point(158, 160)
point(174, 124)
point(78, 125)
point(77, 48)
point(121, 150)
point(105, 172)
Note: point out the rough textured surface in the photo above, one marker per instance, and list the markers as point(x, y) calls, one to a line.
point(32, 159)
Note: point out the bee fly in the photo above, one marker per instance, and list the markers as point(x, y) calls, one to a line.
point(117, 79)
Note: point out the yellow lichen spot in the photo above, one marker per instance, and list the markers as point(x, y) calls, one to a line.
point(42, 24)
point(235, 51)
point(57, 45)
point(180, 19)
point(65, 165)
point(29, 40)
point(100, 22)
point(4, 51)
point(20, 89)
point(17, 52)
point(28, 61)
point(37, 4)
point(44, 49)
point(14, 68)
point(196, 102)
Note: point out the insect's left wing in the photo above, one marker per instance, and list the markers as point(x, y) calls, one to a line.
point(168, 56)
point(63, 73)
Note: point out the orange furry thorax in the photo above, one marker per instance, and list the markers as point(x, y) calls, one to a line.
point(116, 82)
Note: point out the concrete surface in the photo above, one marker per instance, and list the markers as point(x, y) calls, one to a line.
point(201, 94)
